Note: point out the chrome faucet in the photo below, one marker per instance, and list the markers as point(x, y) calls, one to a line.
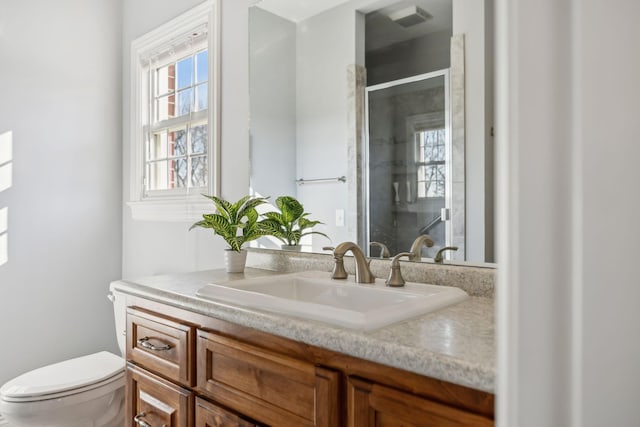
point(395, 276)
point(384, 250)
point(439, 259)
point(416, 248)
point(363, 274)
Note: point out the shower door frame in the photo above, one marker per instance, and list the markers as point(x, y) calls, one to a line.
point(448, 154)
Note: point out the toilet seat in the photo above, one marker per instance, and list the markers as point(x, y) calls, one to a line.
point(66, 378)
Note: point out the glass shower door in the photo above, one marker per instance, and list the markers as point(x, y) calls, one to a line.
point(407, 161)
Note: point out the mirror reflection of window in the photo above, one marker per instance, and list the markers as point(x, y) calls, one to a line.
point(430, 162)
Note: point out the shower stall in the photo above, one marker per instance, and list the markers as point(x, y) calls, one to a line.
point(407, 159)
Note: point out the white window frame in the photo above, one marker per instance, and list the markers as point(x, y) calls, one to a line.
point(178, 204)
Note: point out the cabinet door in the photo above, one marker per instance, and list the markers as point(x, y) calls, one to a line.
point(374, 405)
point(153, 401)
point(210, 415)
point(269, 387)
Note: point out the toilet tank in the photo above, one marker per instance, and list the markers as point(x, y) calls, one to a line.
point(120, 316)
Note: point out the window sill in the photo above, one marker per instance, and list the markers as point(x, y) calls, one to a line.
point(170, 210)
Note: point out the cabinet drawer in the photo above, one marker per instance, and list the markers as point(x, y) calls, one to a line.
point(161, 345)
point(374, 405)
point(210, 415)
point(155, 401)
point(267, 386)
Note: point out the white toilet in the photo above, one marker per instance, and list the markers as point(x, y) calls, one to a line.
point(87, 391)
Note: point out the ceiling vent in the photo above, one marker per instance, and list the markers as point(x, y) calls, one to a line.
point(409, 16)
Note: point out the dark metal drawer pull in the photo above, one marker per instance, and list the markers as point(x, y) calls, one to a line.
point(144, 342)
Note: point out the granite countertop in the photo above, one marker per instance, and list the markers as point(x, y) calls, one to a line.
point(454, 344)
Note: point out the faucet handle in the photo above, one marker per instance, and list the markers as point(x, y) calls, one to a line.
point(338, 268)
point(395, 276)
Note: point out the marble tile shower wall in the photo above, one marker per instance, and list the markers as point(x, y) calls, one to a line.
point(397, 222)
point(458, 135)
point(476, 281)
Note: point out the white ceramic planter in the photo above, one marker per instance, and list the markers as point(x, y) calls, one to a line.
point(296, 248)
point(235, 261)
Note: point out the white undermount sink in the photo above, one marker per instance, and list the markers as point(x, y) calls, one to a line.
point(314, 295)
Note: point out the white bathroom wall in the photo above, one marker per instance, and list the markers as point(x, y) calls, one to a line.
point(272, 69)
point(568, 148)
point(608, 130)
point(61, 94)
point(158, 247)
point(326, 47)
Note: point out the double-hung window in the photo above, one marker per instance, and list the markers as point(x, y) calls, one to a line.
point(430, 145)
point(174, 143)
point(176, 138)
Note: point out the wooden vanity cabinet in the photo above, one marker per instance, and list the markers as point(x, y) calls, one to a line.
point(374, 405)
point(205, 372)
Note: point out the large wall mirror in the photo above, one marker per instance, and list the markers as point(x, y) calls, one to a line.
point(378, 117)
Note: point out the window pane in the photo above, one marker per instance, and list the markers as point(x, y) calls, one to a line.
point(165, 107)
point(202, 66)
point(158, 146)
point(434, 183)
point(430, 174)
point(158, 173)
point(185, 72)
point(179, 173)
point(439, 190)
point(199, 139)
point(202, 98)
point(199, 171)
point(432, 139)
point(165, 79)
point(178, 143)
point(184, 102)
point(430, 146)
point(421, 173)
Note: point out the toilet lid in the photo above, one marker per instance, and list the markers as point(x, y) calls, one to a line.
point(64, 376)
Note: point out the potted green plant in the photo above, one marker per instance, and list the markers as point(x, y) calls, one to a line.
point(290, 223)
point(237, 223)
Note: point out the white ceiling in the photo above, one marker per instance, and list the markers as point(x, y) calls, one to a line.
point(381, 30)
point(298, 10)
